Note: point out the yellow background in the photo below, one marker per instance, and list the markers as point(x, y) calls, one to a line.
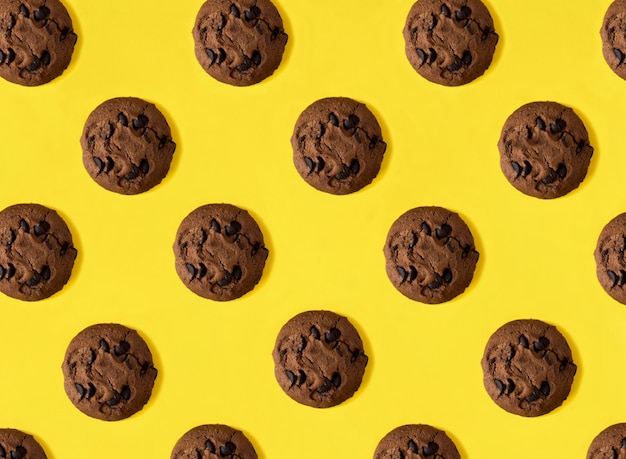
point(214, 359)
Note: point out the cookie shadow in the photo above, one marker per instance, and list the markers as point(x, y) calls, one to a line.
point(459, 446)
point(76, 242)
point(256, 444)
point(42, 443)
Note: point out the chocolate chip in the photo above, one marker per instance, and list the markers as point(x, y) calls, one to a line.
point(121, 118)
point(467, 58)
point(332, 335)
point(517, 168)
point(529, 133)
point(623, 442)
point(456, 65)
point(551, 178)
point(3, 452)
point(233, 228)
point(41, 229)
point(19, 453)
point(144, 368)
point(251, 14)
point(2, 271)
point(314, 332)
point(421, 54)
point(301, 377)
point(255, 249)
point(527, 169)
point(344, 174)
point(10, 56)
point(433, 22)
point(245, 65)
point(45, 58)
point(10, 271)
point(462, 14)
point(564, 363)
point(222, 23)
point(125, 393)
point(202, 270)
point(436, 283)
point(226, 280)
point(221, 55)
point(133, 174)
point(11, 237)
point(24, 226)
point(237, 273)
point(229, 448)
point(534, 396)
point(12, 22)
point(432, 55)
point(110, 164)
point(1, 62)
point(355, 166)
point(332, 119)
point(561, 170)
point(42, 13)
point(321, 164)
point(540, 123)
point(351, 122)
point(24, 11)
point(500, 386)
point(209, 444)
point(580, 147)
point(309, 163)
point(197, 454)
point(321, 131)
point(545, 388)
point(121, 348)
point(256, 58)
point(115, 400)
point(140, 122)
point(80, 389)
point(426, 229)
point(144, 166)
point(192, 270)
point(210, 54)
point(541, 344)
point(324, 387)
point(447, 276)
point(413, 240)
point(619, 55)
point(336, 379)
point(485, 34)
point(34, 281)
point(430, 449)
point(64, 33)
point(445, 10)
point(510, 386)
point(444, 231)
point(412, 273)
point(557, 126)
point(412, 446)
point(104, 345)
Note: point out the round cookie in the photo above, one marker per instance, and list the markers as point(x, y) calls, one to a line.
point(109, 373)
point(319, 359)
point(337, 145)
point(37, 41)
point(613, 33)
point(220, 253)
point(528, 368)
point(544, 150)
point(16, 444)
point(610, 261)
point(213, 441)
point(127, 145)
point(239, 42)
point(36, 252)
point(450, 42)
point(430, 255)
point(609, 444)
point(416, 440)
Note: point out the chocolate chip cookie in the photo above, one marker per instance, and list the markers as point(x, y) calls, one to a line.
point(319, 359)
point(239, 42)
point(450, 42)
point(36, 252)
point(127, 145)
point(430, 255)
point(337, 145)
point(528, 368)
point(613, 34)
point(609, 444)
point(37, 41)
point(16, 444)
point(213, 441)
point(610, 259)
point(108, 372)
point(544, 150)
point(220, 253)
point(416, 440)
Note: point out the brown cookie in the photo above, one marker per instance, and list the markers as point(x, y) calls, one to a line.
point(416, 441)
point(337, 145)
point(37, 41)
point(127, 145)
point(213, 441)
point(239, 42)
point(430, 255)
point(613, 33)
point(450, 42)
point(15, 444)
point(220, 253)
point(36, 252)
point(609, 444)
point(319, 359)
point(108, 372)
point(544, 150)
point(528, 368)
point(610, 261)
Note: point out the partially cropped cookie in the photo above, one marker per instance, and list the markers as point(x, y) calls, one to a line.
point(319, 359)
point(239, 42)
point(450, 42)
point(416, 441)
point(220, 252)
point(15, 444)
point(528, 368)
point(127, 145)
point(609, 444)
point(544, 150)
point(613, 34)
point(36, 41)
point(430, 255)
point(108, 371)
point(36, 252)
point(213, 441)
point(610, 258)
point(337, 145)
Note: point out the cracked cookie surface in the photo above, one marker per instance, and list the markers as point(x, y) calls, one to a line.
point(450, 42)
point(15, 444)
point(415, 441)
point(544, 150)
point(319, 359)
point(213, 441)
point(36, 252)
point(337, 145)
point(430, 255)
point(109, 373)
point(36, 41)
point(610, 258)
point(613, 34)
point(609, 444)
point(127, 145)
point(528, 368)
point(220, 252)
point(239, 42)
